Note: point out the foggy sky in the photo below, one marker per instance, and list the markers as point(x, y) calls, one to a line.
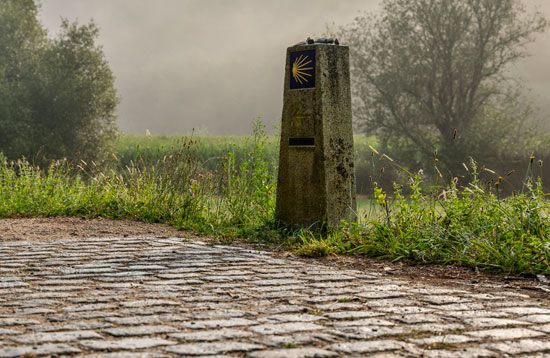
point(215, 65)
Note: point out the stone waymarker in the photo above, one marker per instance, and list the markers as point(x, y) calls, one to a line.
point(316, 184)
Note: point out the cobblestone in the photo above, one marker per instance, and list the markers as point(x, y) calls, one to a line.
point(506, 333)
point(493, 322)
point(447, 339)
point(520, 347)
point(540, 318)
point(47, 349)
point(197, 349)
point(368, 346)
point(545, 328)
point(34, 338)
point(212, 335)
point(219, 323)
point(294, 353)
point(126, 343)
point(285, 328)
point(128, 297)
point(461, 352)
point(139, 330)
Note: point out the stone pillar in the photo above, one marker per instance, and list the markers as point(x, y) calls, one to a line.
point(316, 183)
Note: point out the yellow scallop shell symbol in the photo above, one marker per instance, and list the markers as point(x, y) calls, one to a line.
point(300, 69)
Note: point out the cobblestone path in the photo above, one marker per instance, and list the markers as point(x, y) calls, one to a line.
point(165, 297)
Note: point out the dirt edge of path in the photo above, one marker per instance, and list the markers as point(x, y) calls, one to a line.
point(73, 228)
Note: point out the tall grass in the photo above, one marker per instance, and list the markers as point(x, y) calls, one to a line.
point(468, 226)
point(474, 225)
point(175, 189)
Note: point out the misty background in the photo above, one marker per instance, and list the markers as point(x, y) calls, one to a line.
point(214, 65)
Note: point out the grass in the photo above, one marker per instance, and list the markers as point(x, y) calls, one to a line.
point(173, 181)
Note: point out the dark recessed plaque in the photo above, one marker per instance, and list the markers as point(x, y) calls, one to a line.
point(302, 69)
point(301, 142)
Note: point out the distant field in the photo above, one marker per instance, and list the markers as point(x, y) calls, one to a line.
point(211, 151)
point(131, 147)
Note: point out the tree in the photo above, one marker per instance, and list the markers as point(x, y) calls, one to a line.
point(426, 73)
point(59, 94)
point(75, 98)
point(21, 41)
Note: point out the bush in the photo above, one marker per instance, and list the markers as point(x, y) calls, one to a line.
point(57, 96)
point(468, 226)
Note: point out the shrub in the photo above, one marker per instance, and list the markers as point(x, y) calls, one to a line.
point(57, 96)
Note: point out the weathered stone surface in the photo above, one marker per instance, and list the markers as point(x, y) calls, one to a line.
point(293, 318)
point(36, 338)
point(538, 318)
point(353, 314)
point(364, 322)
point(475, 313)
point(506, 333)
point(471, 306)
point(198, 349)
point(284, 328)
point(493, 322)
point(282, 308)
point(380, 294)
point(211, 335)
point(332, 307)
point(435, 327)
point(299, 339)
point(90, 307)
point(125, 343)
point(294, 353)
point(446, 339)
point(520, 347)
point(460, 352)
point(366, 347)
point(545, 328)
point(444, 300)
point(88, 325)
point(277, 282)
point(526, 310)
point(4, 331)
point(149, 303)
point(126, 355)
point(218, 323)
point(370, 332)
point(142, 330)
point(221, 313)
point(419, 318)
point(46, 349)
point(16, 321)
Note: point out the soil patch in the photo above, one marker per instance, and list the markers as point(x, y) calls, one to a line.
point(63, 228)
